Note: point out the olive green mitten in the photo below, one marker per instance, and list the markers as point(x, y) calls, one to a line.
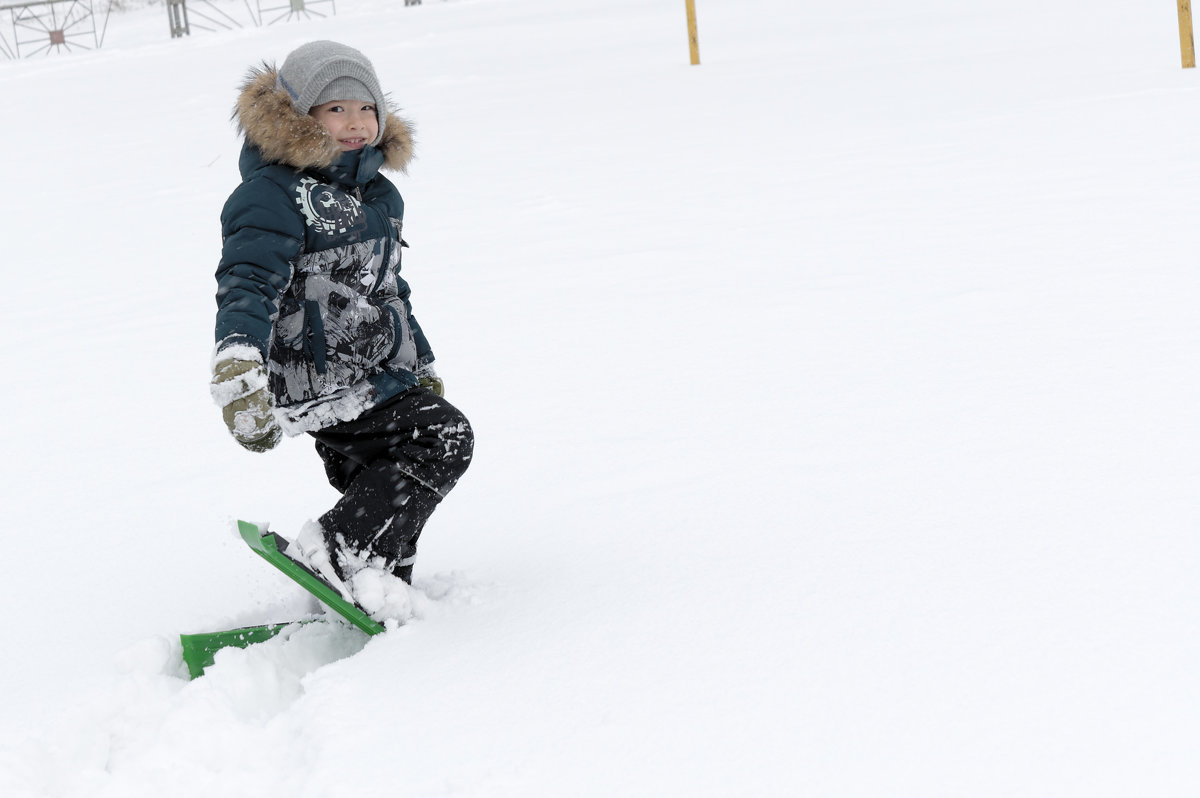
point(240, 388)
point(434, 384)
point(428, 378)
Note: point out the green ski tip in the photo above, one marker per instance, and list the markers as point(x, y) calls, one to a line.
point(266, 545)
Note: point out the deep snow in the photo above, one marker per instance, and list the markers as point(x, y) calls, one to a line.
point(835, 401)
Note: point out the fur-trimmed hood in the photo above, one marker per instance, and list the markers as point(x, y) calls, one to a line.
point(268, 120)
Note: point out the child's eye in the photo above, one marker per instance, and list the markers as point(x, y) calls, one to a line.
point(368, 107)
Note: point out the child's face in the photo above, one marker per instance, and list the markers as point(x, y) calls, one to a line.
point(352, 123)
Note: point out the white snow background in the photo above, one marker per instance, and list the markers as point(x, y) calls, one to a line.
point(836, 403)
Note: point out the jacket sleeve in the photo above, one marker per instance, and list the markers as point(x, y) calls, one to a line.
point(384, 193)
point(262, 235)
point(424, 351)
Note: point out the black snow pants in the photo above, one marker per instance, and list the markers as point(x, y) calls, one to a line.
point(393, 465)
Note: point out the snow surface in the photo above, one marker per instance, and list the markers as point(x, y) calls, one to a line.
point(836, 405)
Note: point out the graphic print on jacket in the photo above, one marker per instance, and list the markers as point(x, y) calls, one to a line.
point(328, 211)
point(342, 317)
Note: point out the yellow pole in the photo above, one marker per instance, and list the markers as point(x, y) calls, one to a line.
point(694, 41)
point(1187, 46)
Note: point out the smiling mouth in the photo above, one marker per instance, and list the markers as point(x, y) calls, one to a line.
point(353, 144)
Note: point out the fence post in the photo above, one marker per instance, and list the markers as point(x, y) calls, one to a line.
point(1187, 46)
point(177, 17)
point(693, 39)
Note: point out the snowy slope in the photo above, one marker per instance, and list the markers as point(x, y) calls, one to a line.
point(836, 405)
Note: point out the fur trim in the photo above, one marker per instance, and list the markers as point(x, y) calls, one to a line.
point(397, 144)
point(269, 121)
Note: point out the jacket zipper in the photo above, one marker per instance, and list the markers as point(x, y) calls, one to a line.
point(387, 248)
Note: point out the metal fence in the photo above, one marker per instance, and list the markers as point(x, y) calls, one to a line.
point(42, 27)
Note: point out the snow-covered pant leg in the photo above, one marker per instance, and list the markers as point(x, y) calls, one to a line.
point(393, 466)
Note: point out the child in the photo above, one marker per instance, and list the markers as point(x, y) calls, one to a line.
point(315, 332)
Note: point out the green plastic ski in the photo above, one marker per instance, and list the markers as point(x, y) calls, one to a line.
point(266, 545)
point(200, 649)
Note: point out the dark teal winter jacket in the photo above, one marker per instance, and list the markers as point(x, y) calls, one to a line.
point(309, 276)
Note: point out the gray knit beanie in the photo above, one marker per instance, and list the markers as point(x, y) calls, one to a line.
point(323, 71)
